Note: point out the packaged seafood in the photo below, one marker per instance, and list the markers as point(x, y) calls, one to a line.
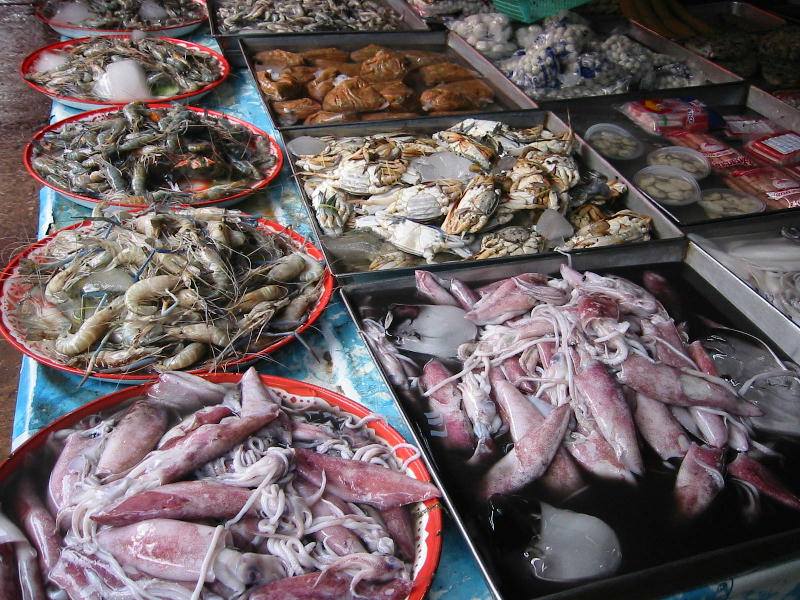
point(218, 487)
point(722, 158)
point(781, 148)
point(724, 202)
point(479, 189)
point(775, 187)
point(564, 58)
point(81, 73)
point(77, 18)
point(124, 297)
point(661, 116)
point(613, 141)
point(668, 185)
point(395, 75)
point(519, 370)
point(157, 153)
point(740, 127)
point(693, 162)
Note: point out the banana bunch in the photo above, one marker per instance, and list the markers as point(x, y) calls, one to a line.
point(666, 17)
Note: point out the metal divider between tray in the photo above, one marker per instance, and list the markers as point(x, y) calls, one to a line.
point(669, 247)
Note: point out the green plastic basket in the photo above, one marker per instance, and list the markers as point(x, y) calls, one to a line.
point(529, 11)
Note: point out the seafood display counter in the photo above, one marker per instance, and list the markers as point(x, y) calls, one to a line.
point(586, 192)
point(729, 182)
point(524, 547)
point(232, 20)
point(662, 541)
point(433, 63)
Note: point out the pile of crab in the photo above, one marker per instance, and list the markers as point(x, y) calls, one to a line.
point(476, 190)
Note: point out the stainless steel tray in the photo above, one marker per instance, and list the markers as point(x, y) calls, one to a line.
point(668, 245)
point(705, 294)
point(507, 95)
point(733, 98)
point(229, 42)
point(773, 323)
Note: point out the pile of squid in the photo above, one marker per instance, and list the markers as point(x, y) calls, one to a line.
point(581, 373)
point(143, 155)
point(213, 491)
point(195, 288)
point(479, 189)
point(82, 70)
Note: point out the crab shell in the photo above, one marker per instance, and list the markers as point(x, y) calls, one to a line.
point(425, 202)
point(331, 208)
point(621, 227)
point(471, 213)
point(362, 178)
point(471, 149)
point(563, 170)
point(510, 241)
point(530, 187)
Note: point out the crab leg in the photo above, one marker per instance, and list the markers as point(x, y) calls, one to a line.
point(176, 551)
point(699, 481)
point(356, 481)
point(605, 400)
point(334, 586)
point(562, 477)
point(753, 472)
point(430, 288)
point(185, 500)
point(134, 436)
point(445, 407)
point(673, 386)
point(659, 428)
point(529, 458)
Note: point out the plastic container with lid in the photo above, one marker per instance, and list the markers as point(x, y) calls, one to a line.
point(668, 185)
point(686, 159)
point(613, 141)
point(725, 202)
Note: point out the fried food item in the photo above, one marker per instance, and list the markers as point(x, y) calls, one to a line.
point(329, 117)
point(285, 87)
point(278, 58)
point(387, 115)
point(421, 58)
point(353, 95)
point(400, 97)
point(329, 53)
point(290, 112)
point(458, 95)
point(444, 72)
point(366, 52)
point(384, 66)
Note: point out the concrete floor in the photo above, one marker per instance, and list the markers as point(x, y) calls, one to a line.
point(22, 112)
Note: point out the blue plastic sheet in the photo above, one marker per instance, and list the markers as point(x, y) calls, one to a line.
point(344, 364)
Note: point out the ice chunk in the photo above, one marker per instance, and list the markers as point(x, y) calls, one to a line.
point(442, 165)
point(48, 61)
point(150, 10)
point(123, 81)
point(73, 13)
point(553, 227)
point(305, 145)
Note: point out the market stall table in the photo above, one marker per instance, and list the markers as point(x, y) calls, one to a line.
point(331, 355)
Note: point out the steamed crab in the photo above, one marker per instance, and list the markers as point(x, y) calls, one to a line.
point(510, 241)
point(530, 187)
point(471, 213)
point(413, 237)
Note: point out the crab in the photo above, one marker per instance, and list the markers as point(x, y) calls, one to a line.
point(392, 259)
point(621, 227)
point(482, 152)
point(331, 208)
point(471, 213)
point(361, 177)
point(510, 241)
point(530, 187)
point(415, 238)
point(563, 170)
point(427, 201)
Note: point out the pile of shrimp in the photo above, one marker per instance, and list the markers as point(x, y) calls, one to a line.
point(198, 288)
point(210, 491)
